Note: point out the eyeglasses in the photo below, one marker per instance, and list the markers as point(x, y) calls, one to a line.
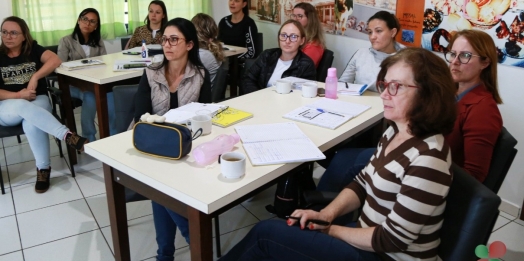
point(86, 20)
point(173, 40)
point(297, 16)
point(463, 57)
point(13, 34)
point(292, 37)
point(391, 86)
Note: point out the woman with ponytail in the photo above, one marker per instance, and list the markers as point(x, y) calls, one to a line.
point(210, 50)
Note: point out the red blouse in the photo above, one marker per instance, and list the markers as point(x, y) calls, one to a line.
point(475, 133)
point(314, 51)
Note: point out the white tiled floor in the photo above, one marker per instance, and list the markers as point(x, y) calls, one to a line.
point(70, 221)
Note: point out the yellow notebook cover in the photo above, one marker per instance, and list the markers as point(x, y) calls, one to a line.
point(230, 116)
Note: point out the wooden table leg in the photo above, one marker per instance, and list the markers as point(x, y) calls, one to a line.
point(63, 84)
point(200, 232)
point(116, 203)
point(101, 110)
point(234, 77)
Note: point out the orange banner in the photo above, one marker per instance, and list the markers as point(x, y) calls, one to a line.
point(410, 15)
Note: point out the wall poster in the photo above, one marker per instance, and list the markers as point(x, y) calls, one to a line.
point(503, 20)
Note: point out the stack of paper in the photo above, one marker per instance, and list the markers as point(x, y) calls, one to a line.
point(327, 113)
point(182, 114)
point(81, 64)
point(277, 143)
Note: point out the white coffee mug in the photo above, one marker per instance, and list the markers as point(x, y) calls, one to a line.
point(201, 122)
point(232, 165)
point(283, 86)
point(309, 90)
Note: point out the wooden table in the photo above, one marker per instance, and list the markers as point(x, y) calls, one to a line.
point(199, 193)
point(101, 79)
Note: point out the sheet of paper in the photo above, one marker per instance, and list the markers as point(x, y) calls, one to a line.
point(351, 88)
point(266, 132)
point(341, 107)
point(312, 116)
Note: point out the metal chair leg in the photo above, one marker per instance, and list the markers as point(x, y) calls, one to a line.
point(18, 138)
point(2, 181)
point(217, 237)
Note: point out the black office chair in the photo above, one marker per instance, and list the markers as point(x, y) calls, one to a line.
point(123, 42)
point(503, 154)
point(469, 218)
point(218, 92)
point(324, 64)
point(259, 44)
point(9, 132)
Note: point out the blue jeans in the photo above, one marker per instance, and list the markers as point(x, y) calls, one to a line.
point(87, 117)
point(344, 167)
point(275, 240)
point(166, 222)
point(37, 122)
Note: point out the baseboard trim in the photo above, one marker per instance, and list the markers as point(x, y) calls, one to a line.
point(509, 208)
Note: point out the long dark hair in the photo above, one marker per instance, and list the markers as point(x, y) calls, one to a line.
point(190, 33)
point(164, 20)
point(94, 37)
point(245, 10)
point(27, 44)
point(389, 18)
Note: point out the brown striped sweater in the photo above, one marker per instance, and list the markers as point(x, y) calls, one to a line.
point(405, 196)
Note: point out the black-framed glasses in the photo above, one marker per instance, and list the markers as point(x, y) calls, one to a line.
point(297, 16)
point(86, 20)
point(463, 57)
point(13, 34)
point(172, 40)
point(292, 37)
point(391, 86)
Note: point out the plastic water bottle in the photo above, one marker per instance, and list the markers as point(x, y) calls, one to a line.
point(144, 49)
point(331, 83)
point(207, 153)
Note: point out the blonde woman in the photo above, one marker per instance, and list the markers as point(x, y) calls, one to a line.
point(306, 14)
point(211, 51)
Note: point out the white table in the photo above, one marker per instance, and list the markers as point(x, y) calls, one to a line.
point(198, 192)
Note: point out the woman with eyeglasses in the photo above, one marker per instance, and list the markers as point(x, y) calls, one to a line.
point(85, 42)
point(364, 66)
point(278, 63)
point(314, 45)
point(178, 80)
point(238, 29)
point(151, 32)
point(473, 64)
point(211, 51)
point(402, 190)
point(23, 95)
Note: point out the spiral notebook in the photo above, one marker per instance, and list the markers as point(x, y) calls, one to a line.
point(230, 116)
point(277, 143)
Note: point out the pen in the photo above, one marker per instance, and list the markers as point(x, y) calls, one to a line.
point(141, 61)
point(363, 89)
point(323, 111)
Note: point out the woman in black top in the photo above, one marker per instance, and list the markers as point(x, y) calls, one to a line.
point(23, 95)
point(238, 29)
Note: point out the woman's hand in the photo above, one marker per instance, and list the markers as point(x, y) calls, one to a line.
point(27, 94)
point(33, 83)
point(305, 216)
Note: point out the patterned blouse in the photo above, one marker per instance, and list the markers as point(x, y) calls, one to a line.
point(142, 33)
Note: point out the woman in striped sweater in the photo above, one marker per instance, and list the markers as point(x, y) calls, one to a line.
point(402, 190)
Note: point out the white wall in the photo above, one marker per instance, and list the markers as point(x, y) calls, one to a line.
point(511, 86)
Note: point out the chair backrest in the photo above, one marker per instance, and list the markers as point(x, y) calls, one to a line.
point(218, 92)
point(259, 44)
point(52, 48)
point(503, 154)
point(469, 218)
point(9, 131)
point(324, 64)
point(124, 106)
point(123, 42)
